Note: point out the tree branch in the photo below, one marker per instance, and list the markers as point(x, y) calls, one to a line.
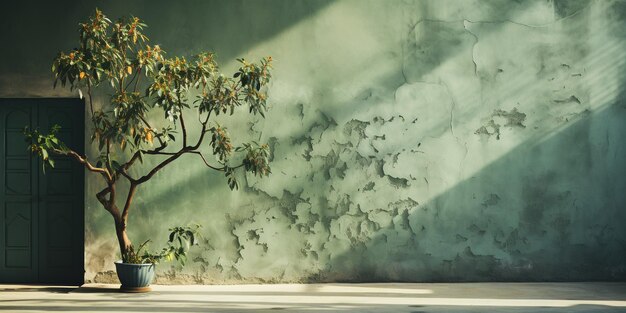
point(173, 157)
point(101, 196)
point(156, 152)
point(112, 200)
point(138, 78)
point(205, 161)
point(109, 204)
point(238, 166)
point(123, 172)
point(108, 153)
point(86, 163)
point(131, 80)
point(202, 132)
point(137, 153)
point(144, 121)
point(129, 199)
point(176, 155)
point(90, 98)
point(182, 120)
point(182, 125)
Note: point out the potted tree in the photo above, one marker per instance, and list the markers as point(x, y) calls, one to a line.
point(116, 57)
point(136, 270)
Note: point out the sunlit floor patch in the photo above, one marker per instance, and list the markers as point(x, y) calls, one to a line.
point(411, 298)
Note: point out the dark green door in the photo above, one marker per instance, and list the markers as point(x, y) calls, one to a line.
point(41, 214)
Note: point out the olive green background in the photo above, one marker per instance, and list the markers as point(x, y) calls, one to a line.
point(411, 140)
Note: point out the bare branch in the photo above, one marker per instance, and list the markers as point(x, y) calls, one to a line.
point(157, 168)
point(90, 98)
point(206, 120)
point(182, 125)
point(137, 80)
point(108, 151)
point(132, 79)
point(123, 172)
point(137, 154)
point(153, 152)
point(130, 162)
point(86, 163)
point(182, 120)
point(202, 133)
point(144, 121)
point(207, 163)
point(238, 166)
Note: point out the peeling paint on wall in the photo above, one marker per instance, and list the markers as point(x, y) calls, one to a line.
point(511, 119)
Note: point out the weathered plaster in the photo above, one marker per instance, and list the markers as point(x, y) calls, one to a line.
point(411, 141)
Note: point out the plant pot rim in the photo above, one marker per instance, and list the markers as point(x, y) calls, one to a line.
point(133, 264)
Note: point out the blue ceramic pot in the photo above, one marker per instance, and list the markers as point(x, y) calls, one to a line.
point(134, 275)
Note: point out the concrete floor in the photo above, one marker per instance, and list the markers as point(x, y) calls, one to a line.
point(410, 298)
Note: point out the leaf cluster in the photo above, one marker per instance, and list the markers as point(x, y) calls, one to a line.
point(220, 142)
point(117, 53)
point(257, 159)
point(223, 94)
point(181, 239)
point(45, 144)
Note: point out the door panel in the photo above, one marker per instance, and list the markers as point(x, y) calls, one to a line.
point(61, 193)
point(19, 252)
point(42, 226)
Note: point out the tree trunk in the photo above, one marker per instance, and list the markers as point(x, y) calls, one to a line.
point(122, 237)
point(119, 218)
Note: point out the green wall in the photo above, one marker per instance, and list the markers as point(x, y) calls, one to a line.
point(411, 140)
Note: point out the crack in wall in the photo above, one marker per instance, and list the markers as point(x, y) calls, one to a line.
point(465, 22)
